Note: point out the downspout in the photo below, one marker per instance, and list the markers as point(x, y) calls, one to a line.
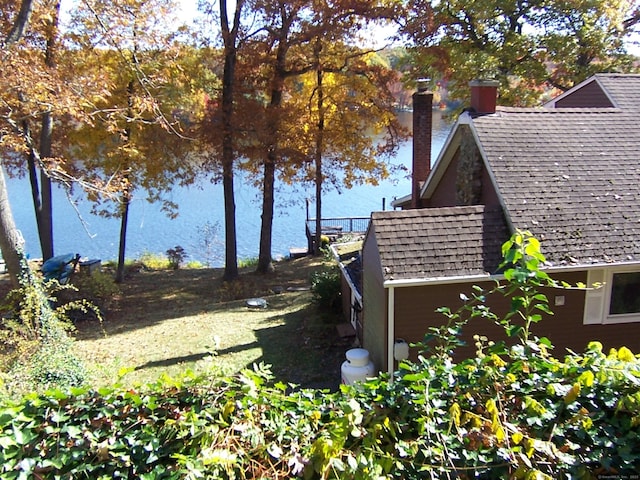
point(390, 330)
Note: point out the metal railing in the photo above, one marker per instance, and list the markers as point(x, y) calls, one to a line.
point(335, 227)
point(339, 225)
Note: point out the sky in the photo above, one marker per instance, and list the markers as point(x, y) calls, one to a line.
point(187, 10)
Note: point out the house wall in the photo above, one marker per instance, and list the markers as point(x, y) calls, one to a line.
point(448, 190)
point(415, 313)
point(374, 314)
point(590, 95)
point(445, 193)
point(345, 291)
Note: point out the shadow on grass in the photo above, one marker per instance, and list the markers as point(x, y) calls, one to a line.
point(305, 350)
point(302, 348)
point(169, 362)
point(151, 297)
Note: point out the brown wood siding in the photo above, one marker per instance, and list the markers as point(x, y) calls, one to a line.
point(445, 193)
point(489, 197)
point(590, 95)
point(345, 291)
point(415, 312)
point(374, 315)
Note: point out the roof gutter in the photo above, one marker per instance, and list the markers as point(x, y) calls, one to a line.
point(420, 282)
point(391, 328)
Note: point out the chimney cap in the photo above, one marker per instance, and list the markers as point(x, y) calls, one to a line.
point(423, 84)
point(484, 82)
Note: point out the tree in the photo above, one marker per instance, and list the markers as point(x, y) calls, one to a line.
point(135, 140)
point(286, 44)
point(221, 112)
point(33, 91)
point(527, 46)
point(41, 192)
point(11, 241)
point(230, 39)
point(347, 114)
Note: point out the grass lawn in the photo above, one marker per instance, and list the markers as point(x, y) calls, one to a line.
point(170, 321)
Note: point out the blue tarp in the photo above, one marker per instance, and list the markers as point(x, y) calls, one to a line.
point(60, 267)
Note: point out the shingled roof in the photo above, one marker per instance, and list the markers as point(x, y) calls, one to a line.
point(624, 90)
point(435, 243)
point(571, 176)
point(604, 90)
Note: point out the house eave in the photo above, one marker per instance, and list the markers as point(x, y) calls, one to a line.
point(420, 282)
point(401, 202)
point(590, 266)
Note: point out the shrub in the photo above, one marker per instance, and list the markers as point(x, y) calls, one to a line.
point(249, 262)
point(91, 297)
point(37, 351)
point(176, 256)
point(326, 287)
point(152, 261)
point(195, 264)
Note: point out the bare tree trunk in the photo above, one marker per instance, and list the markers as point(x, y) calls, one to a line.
point(265, 264)
point(127, 193)
point(230, 37)
point(126, 200)
point(10, 239)
point(44, 214)
point(21, 23)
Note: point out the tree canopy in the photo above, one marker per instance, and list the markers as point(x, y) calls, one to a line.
point(530, 47)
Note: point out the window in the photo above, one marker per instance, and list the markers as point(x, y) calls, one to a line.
point(617, 300)
point(625, 293)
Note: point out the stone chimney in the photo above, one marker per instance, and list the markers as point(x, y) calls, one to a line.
point(484, 94)
point(422, 126)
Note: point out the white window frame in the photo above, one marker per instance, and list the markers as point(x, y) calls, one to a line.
point(598, 300)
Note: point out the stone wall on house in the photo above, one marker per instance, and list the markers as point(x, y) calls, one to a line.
point(469, 170)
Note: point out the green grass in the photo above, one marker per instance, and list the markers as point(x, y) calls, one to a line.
point(290, 334)
point(166, 322)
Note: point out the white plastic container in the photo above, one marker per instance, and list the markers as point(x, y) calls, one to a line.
point(357, 367)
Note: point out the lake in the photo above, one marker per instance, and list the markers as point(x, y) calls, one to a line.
point(201, 207)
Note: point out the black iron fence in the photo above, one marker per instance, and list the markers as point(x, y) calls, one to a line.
point(335, 227)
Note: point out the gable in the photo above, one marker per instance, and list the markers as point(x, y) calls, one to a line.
point(603, 90)
point(589, 95)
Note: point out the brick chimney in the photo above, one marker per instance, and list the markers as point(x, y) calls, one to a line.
point(422, 126)
point(484, 94)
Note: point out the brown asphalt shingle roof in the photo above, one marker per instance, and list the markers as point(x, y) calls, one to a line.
point(624, 89)
point(439, 242)
point(571, 176)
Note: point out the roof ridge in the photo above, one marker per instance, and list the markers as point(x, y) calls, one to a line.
point(433, 211)
point(563, 110)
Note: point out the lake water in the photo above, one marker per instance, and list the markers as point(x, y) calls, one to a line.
point(76, 230)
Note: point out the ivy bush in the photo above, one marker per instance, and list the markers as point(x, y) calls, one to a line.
point(507, 413)
point(36, 350)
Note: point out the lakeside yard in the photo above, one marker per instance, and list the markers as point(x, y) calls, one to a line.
point(168, 321)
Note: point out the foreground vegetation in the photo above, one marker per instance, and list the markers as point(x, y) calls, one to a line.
point(512, 411)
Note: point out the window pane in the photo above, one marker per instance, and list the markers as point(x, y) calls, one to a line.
point(625, 293)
